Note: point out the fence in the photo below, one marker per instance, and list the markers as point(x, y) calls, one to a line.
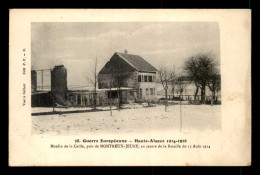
point(191, 98)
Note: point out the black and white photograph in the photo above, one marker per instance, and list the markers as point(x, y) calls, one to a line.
point(125, 77)
point(130, 87)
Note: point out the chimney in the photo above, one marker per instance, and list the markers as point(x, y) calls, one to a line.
point(125, 51)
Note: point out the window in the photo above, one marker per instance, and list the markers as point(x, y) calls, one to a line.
point(94, 95)
point(140, 93)
point(112, 95)
point(139, 78)
point(86, 100)
point(150, 78)
point(147, 91)
point(145, 78)
point(151, 91)
point(71, 97)
point(79, 99)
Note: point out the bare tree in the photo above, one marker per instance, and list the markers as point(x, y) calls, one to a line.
point(218, 89)
point(199, 68)
point(173, 81)
point(181, 84)
point(165, 77)
point(111, 78)
point(118, 76)
point(192, 69)
point(196, 91)
point(92, 79)
point(214, 84)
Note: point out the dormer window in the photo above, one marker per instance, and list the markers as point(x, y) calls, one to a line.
point(150, 78)
point(145, 78)
point(139, 78)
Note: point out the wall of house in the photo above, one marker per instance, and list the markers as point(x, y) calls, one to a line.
point(127, 96)
point(146, 87)
point(42, 99)
point(189, 90)
point(104, 81)
point(117, 66)
point(132, 82)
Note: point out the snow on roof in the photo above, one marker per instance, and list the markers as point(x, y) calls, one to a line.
point(100, 90)
point(42, 92)
point(113, 89)
point(76, 88)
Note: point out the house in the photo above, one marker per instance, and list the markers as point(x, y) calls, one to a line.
point(188, 93)
point(130, 76)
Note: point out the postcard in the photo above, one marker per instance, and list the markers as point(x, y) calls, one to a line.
point(129, 87)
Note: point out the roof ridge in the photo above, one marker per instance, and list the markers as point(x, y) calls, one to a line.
point(128, 54)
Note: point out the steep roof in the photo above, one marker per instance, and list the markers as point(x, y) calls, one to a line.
point(137, 62)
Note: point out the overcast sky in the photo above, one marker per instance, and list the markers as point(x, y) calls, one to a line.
point(76, 45)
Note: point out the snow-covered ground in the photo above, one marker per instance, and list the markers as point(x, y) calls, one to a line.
point(194, 117)
point(50, 109)
point(45, 109)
